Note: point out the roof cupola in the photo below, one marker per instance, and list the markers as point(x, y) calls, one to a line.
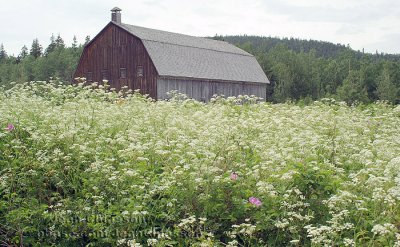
point(116, 15)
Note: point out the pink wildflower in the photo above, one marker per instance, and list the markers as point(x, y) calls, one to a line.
point(234, 176)
point(255, 201)
point(10, 127)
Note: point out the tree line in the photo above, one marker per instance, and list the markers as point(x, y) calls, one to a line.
point(298, 69)
point(310, 70)
point(39, 64)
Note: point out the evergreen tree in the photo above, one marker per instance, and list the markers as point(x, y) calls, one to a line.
point(331, 77)
point(24, 52)
point(3, 54)
point(60, 42)
point(52, 46)
point(353, 89)
point(386, 89)
point(284, 82)
point(74, 43)
point(87, 40)
point(36, 49)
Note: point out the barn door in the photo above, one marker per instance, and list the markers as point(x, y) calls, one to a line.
point(122, 77)
point(123, 82)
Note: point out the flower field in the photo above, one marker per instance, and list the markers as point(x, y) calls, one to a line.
point(82, 166)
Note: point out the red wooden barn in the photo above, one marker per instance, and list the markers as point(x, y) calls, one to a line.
point(156, 62)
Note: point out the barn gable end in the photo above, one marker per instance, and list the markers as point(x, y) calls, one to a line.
point(116, 55)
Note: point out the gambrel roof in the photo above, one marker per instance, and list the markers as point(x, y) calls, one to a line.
point(179, 55)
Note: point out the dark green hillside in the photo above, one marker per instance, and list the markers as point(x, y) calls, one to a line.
point(265, 44)
point(309, 69)
point(322, 48)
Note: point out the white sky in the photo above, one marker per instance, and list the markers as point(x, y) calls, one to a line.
point(370, 24)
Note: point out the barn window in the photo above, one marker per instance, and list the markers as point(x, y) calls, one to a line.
point(89, 76)
point(104, 74)
point(140, 71)
point(122, 73)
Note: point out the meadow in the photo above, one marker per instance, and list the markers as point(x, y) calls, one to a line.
point(86, 166)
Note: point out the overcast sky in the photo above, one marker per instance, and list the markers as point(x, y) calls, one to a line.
point(370, 24)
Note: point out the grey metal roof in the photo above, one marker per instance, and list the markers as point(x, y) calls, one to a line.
point(180, 55)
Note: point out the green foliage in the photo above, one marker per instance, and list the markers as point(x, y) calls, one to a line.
point(58, 61)
point(353, 89)
point(314, 69)
point(87, 40)
point(52, 45)
point(36, 49)
point(3, 54)
point(84, 166)
point(24, 53)
point(386, 89)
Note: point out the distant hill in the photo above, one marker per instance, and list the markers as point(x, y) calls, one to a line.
point(322, 48)
point(310, 69)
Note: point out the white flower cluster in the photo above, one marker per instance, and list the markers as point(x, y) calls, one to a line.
point(324, 172)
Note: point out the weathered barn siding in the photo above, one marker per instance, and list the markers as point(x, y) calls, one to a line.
point(112, 49)
point(203, 90)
